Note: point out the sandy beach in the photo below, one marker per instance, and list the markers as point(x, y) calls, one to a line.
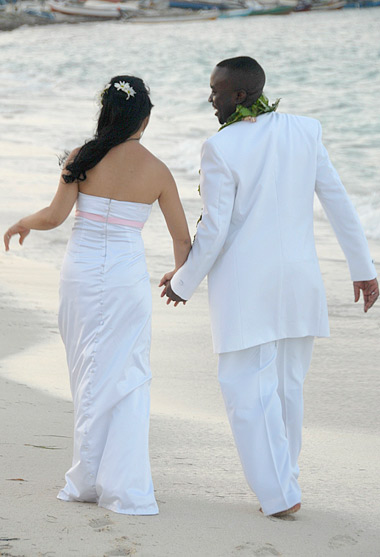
point(206, 508)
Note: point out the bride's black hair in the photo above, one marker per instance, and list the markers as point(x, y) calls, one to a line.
point(120, 117)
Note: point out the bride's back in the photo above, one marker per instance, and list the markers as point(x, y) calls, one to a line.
point(114, 165)
point(128, 172)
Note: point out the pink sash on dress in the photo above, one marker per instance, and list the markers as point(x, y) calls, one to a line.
point(110, 220)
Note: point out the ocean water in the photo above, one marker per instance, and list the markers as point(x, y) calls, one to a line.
point(324, 65)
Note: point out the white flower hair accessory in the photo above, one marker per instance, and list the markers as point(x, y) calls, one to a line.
point(126, 88)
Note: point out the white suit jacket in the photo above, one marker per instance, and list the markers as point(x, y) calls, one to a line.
point(256, 242)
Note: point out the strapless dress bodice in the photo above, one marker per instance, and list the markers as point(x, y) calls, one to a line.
point(112, 211)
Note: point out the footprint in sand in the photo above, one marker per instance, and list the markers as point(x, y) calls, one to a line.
point(337, 542)
point(266, 550)
point(100, 524)
point(119, 552)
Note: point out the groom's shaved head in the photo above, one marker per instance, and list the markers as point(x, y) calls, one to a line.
point(235, 81)
point(245, 74)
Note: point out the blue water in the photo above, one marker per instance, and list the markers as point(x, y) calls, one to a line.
point(324, 65)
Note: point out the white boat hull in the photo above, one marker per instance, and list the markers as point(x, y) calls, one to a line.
point(111, 11)
point(167, 17)
point(130, 15)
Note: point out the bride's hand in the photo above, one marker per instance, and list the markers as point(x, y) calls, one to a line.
point(15, 229)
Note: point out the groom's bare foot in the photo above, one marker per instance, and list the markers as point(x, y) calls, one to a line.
point(292, 510)
point(280, 514)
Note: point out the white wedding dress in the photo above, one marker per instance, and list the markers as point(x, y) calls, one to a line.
point(105, 323)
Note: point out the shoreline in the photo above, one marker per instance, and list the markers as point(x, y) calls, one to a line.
point(206, 507)
point(9, 21)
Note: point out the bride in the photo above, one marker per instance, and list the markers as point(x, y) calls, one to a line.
point(105, 297)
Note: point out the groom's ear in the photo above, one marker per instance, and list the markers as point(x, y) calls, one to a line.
point(241, 96)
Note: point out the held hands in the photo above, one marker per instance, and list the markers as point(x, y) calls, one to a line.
point(370, 290)
point(15, 229)
point(167, 290)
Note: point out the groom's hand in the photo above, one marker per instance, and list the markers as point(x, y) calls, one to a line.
point(167, 290)
point(370, 290)
point(171, 295)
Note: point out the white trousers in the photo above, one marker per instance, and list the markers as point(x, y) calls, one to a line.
point(262, 389)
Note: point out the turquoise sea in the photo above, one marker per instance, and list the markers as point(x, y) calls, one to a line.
point(324, 65)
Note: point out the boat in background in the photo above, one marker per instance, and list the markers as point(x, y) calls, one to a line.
point(319, 5)
point(237, 8)
point(103, 10)
point(130, 13)
point(38, 13)
point(323, 5)
point(207, 5)
point(170, 16)
point(362, 4)
point(254, 8)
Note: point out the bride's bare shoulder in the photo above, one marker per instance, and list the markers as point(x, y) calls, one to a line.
point(156, 164)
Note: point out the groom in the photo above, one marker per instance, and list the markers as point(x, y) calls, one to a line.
point(255, 242)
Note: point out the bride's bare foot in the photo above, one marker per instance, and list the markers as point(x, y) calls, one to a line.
point(292, 510)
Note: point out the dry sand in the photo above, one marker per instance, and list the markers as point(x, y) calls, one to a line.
point(206, 508)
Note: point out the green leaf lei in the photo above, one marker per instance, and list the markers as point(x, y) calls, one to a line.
point(261, 106)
